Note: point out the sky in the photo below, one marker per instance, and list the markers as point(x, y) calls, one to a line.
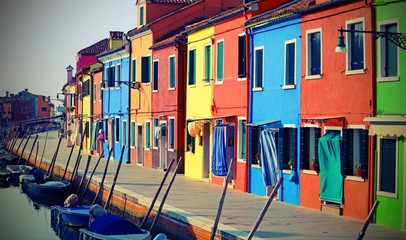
point(40, 38)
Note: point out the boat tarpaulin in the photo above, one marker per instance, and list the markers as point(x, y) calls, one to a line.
point(219, 163)
point(268, 157)
point(331, 180)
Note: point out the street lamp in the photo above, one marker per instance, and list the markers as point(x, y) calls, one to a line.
point(399, 39)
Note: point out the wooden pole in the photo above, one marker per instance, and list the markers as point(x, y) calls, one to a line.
point(156, 195)
point(361, 234)
point(84, 174)
point(36, 155)
point(103, 177)
point(22, 152)
point(223, 196)
point(166, 194)
point(43, 150)
point(67, 163)
point(54, 159)
point(90, 178)
point(22, 140)
point(32, 148)
point(115, 178)
point(75, 170)
point(262, 214)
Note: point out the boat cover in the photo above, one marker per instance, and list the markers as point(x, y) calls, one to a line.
point(110, 224)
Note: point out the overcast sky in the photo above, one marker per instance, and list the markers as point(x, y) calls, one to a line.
point(40, 38)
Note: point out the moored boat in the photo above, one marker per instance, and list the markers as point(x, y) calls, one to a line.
point(49, 188)
point(71, 216)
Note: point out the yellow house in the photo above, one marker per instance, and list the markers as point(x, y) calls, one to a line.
point(199, 93)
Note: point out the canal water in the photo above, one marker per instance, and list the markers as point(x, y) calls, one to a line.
point(26, 218)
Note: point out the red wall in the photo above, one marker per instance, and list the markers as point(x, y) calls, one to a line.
point(43, 103)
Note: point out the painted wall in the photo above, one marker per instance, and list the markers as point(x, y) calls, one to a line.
point(87, 100)
point(43, 103)
point(390, 100)
point(338, 94)
point(97, 103)
point(141, 103)
point(199, 99)
point(273, 102)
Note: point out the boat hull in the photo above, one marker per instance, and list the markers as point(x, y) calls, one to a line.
point(49, 189)
point(71, 216)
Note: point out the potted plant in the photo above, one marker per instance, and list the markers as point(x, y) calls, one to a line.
point(312, 163)
point(290, 163)
point(357, 167)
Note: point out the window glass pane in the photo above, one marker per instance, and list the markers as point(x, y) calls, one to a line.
point(207, 65)
point(117, 130)
point(155, 137)
point(242, 139)
point(220, 61)
point(146, 69)
point(172, 72)
point(147, 135)
point(241, 56)
point(132, 129)
point(133, 70)
point(290, 64)
point(171, 133)
point(315, 53)
point(258, 67)
point(391, 53)
point(192, 68)
point(156, 81)
point(141, 15)
point(388, 165)
point(124, 138)
point(356, 42)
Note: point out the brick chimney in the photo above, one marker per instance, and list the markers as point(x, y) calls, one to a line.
point(26, 89)
point(69, 73)
point(7, 93)
point(116, 39)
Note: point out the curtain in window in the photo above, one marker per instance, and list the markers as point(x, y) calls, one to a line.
point(269, 157)
point(331, 180)
point(219, 163)
point(93, 136)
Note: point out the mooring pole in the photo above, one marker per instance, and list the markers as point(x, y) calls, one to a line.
point(223, 195)
point(103, 177)
point(32, 148)
point(361, 234)
point(115, 178)
point(90, 178)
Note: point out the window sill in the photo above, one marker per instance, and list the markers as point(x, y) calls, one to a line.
point(155, 91)
point(354, 178)
point(354, 72)
point(240, 79)
point(289, 87)
point(255, 166)
point(206, 83)
point(310, 172)
point(241, 160)
point(192, 86)
point(388, 79)
point(257, 89)
point(218, 82)
point(286, 171)
point(387, 194)
point(171, 89)
point(171, 150)
point(312, 77)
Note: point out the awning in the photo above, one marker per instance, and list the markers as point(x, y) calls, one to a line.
point(322, 119)
point(274, 123)
point(388, 126)
point(210, 118)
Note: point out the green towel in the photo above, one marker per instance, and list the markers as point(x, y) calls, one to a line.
point(331, 180)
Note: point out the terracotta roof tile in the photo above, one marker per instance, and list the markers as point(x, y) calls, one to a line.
point(178, 38)
point(174, 1)
point(96, 48)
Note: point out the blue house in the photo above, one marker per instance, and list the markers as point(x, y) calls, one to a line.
point(274, 117)
point(115, 101)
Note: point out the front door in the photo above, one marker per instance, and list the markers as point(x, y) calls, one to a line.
point(206, 150)
point(162, 147)
point(140, 149)
point(230, 148)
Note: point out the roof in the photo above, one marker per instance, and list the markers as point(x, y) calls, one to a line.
point(174, 1)
point(137, 30)
point(96, 48)
point(171, 41)
point(287, 10)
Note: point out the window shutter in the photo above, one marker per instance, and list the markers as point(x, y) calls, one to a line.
point(144, 69)
point(344, 151)
point(294, 148)
point(364, 153)
point(280, 148)
point(304, 145)
point(317, 135)
point(250, 145)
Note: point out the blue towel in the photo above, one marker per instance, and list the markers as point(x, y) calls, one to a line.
point(268, 157)
point(219, 163)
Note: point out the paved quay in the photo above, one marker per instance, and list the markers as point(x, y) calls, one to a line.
point(194, 203)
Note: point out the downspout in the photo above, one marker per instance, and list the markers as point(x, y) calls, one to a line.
point(101, 98)
point(129, 99)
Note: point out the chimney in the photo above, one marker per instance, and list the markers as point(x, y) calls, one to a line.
point(7, 93)
point(69, 73)
point(116, 39)
point(49, 99)
point(26, 89)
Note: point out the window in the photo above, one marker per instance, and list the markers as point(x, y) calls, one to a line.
point(309, 139)
point(124, 134)
point(146, 69)
point(44, 109)
point(101, 91)
point(287, 148)
point(141, 20)
point(389, 65)
point(110, 75)
point(354, 152)
point(155, 86)
point(172, 72)
point(290, 66)
point(86, 88)
point(117, 123)
point(118, 76)
point(171, 133)
point(132, 130)
point(94, 92)
point(156, 137)
point(207, 64)
point(355, 45)
point(313, 53)
point(242, 139)
point(106, 130)
point(192, 68)
point(242, 56)
point(220, 62)
point(387, 169)
point(190, 141)
point(147, 135)
point(258, 67)
point(133, 70)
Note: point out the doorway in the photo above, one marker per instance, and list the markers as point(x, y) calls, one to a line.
point(140, 149)
point(162, 147)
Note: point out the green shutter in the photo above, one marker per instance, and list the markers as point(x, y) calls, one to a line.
point(220, 61)
point(133, 71)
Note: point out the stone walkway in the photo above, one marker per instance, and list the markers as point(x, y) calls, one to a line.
point(195, 202)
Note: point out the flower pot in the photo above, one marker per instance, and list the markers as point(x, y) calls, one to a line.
point(313, 167)
point(358, 172)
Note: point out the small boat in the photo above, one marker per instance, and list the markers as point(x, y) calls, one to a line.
point(4, 178)
point(48, 189)
point(71, 216)
point(16, 171)
point(109, 227)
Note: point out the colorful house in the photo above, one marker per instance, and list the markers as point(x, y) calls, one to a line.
point(115, 98)
point(97, 110)
point(275, 86)
point(388, 125)
point(336, 96)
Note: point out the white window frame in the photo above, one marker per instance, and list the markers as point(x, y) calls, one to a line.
point(153, 76)
point(217, 82)
point(285, 86)
point(134, 72)
point(117, 120)
point(153, 134)
point(94, 92)
point(378, 192)
point(381, 57)
point(258, 88)
point(124, 133)
point(239, 120)
point(118, 76)
point(170, 134)
point(332, 128)
point(133, 123)
point(347, 66)
point(246, 58)
point(169, 71)
point(188, 68)
point(308, 52)
point(206, 79)
point(145, 135)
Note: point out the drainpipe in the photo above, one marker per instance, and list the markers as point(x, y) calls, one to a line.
point(249, 99)
point(129, 99)
point(91, 100)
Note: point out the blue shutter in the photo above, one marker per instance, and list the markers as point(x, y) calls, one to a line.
point(280, 148)
point(317, 135)
point(293, 134)
point(344, 151)
point(364, 153)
